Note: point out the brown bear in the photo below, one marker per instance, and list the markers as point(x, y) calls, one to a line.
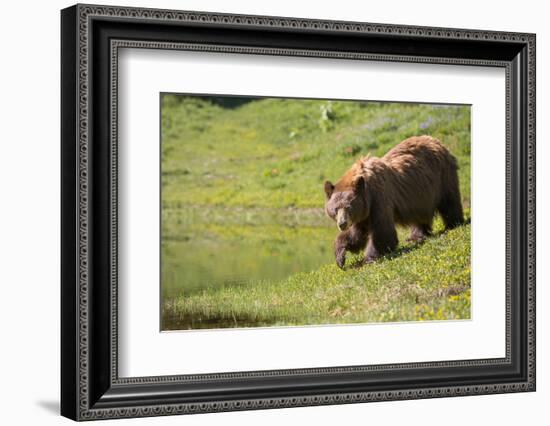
point(407, 186)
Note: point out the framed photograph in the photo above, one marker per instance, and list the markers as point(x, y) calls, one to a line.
point(263, 212)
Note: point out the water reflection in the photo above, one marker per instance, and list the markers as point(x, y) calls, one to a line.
point(210, 256)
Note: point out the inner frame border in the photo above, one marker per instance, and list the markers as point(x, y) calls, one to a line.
point(117, 44)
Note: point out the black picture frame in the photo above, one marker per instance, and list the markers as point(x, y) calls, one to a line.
point(90, 386)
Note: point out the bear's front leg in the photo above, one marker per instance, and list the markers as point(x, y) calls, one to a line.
point(371, 254)
point(340, 250)
point(353, 239)
point(382, 233)
point(381, 241)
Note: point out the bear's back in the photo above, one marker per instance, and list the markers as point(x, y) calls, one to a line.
point(419, 149)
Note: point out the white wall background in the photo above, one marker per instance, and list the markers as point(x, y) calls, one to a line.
point(29, 213)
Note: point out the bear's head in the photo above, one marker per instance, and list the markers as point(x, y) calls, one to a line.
point(347, 204)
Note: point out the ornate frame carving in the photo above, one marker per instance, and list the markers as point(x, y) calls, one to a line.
point(85, 396)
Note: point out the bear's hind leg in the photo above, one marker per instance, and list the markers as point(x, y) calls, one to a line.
point(450, 206)
point(419, 233)
point(450, 209)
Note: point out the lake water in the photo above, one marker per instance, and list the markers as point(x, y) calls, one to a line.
point(196, 256)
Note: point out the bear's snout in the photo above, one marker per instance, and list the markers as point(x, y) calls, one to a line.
point(342, 220)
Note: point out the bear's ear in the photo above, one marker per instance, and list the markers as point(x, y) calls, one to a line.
point(359, 184)
point(329, 188)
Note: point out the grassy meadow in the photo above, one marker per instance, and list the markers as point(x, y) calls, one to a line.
point(245, 241)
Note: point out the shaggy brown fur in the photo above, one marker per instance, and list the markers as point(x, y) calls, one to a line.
point(407, 186)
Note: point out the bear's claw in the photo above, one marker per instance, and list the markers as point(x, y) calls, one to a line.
point(341, 258)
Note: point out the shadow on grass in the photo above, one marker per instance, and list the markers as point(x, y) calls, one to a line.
point(410, 247)
point(360, 262)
